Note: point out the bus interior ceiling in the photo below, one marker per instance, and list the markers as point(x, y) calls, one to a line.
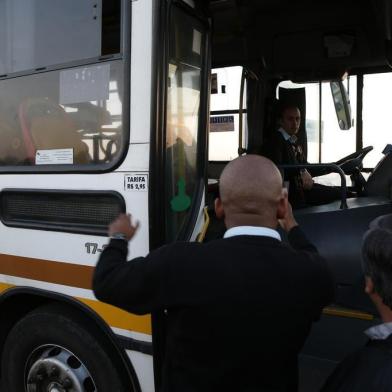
point(303, 39)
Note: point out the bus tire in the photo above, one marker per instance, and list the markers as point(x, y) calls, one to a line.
point(47, 349)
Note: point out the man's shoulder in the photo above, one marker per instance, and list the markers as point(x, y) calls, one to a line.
point(277, 137)
point(277, 141)
point(217, 245)
point(247, 244)
point(179, 246)
point(250, 246)
point(363, 370)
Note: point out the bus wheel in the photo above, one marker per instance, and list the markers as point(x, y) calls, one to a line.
point(47, 350)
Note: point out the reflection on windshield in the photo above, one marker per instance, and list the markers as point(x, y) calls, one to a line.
point(62, 117)
point(182, 120)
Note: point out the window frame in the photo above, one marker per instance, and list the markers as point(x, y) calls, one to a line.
point(125, 57)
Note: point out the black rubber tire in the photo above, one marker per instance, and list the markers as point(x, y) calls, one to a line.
point(46, 325)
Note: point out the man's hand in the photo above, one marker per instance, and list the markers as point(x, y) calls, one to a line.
point(288, 221)
point(307, 180)
point(123, 224)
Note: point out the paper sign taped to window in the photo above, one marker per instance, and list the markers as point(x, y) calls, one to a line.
point(222, 124)
point(85, 84)
point(136, 182)
point(60, 156)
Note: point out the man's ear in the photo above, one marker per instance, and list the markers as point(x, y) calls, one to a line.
point(369, 285)
point(219, 212)
point(283, 205)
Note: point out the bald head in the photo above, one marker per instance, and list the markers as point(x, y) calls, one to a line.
point(251, 189)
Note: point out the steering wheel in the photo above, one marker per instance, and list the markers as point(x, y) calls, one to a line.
point(351, 163)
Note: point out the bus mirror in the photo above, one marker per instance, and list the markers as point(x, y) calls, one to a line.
point(341, 101)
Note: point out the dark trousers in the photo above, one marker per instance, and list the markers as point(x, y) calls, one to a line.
point(322, 194)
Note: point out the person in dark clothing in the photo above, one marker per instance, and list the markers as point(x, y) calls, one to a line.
point(283, 149)
point(239, 308)
point(370, 368)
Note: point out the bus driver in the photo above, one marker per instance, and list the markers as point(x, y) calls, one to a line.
point(284, 149)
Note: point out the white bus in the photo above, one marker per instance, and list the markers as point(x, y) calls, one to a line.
point(104, 108)
point(84, 118)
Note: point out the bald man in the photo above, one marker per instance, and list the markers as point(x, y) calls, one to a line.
point(238, 309)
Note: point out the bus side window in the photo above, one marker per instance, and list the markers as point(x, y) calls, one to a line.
point(72, 30)
point(47, 111)
point(60, 101)
point(377, 97)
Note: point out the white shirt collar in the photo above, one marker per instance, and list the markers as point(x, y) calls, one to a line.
point(379, 332)
point(287, 137)
point(252, 230)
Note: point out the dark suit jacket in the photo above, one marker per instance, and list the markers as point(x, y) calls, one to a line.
point(281, 152)
point(367, 370)
point(239, 309)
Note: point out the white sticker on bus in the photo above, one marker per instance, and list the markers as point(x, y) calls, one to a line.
point(59, 156)
point(136, 182)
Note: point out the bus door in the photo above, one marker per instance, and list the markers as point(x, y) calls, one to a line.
point(178, 197)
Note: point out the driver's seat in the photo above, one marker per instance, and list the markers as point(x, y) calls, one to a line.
point(379, 182)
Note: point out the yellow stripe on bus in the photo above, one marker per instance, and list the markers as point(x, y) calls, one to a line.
point(5, 286)
point(118, 318)
point(349, 313)
point(115, 317)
